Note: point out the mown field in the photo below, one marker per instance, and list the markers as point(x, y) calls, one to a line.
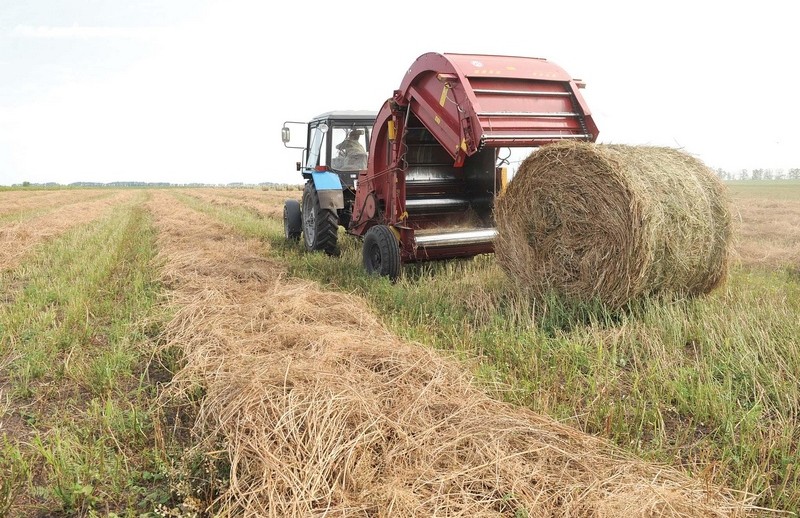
point(122, 309)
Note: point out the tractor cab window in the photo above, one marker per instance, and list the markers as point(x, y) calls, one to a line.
point(350, 145)
point(318, 139)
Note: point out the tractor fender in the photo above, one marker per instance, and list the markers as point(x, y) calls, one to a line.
point(329, 190)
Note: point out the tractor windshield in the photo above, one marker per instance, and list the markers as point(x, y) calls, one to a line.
point(350, 148)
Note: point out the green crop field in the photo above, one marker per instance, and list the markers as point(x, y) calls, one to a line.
point(89, 319)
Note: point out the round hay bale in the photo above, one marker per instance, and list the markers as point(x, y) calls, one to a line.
point(613, 223)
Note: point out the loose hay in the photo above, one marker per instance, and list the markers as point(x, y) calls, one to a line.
point(320, 411)
point(69, 210)
point(614, 223)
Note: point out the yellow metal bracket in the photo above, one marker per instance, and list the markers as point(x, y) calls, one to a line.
point(442, 101)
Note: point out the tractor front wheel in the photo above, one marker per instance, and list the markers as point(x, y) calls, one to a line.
point(292, 220)
point(320, 226)
point(382, 252)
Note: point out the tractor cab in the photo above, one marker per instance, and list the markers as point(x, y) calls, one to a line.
point(335, 150)
point(336, 142)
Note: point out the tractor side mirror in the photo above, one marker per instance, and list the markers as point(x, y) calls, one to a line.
point(285, 135)
point(299, 165)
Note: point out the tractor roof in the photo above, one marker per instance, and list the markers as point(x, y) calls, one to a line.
point(348, 115)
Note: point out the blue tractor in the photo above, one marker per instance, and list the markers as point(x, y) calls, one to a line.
point(336, 149)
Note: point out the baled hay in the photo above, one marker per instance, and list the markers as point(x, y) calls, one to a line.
point(614, 223)
point(320, 411)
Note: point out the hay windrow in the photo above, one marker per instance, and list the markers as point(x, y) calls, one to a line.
point(19, 238)
point(319, 410)
point(12, 202)
point(614, 223)
point(262, 203)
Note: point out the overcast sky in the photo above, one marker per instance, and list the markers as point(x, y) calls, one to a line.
point(197, 90)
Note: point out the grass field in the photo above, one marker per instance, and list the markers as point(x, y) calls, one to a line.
point(92, 309)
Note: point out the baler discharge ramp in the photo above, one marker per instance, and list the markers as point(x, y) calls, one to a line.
point(434, 163)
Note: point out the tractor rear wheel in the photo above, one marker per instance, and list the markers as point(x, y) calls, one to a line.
point(292, 220)
point(320, 226)
point(381, 252)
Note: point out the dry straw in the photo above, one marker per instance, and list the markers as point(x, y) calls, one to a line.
point(320, 411)
point(614, 223)
point(64, 213)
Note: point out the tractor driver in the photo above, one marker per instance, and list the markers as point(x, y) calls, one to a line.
point(350, 146)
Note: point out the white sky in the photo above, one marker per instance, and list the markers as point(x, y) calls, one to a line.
point(197, 90)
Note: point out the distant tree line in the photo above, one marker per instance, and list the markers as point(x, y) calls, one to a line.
point(759, 174)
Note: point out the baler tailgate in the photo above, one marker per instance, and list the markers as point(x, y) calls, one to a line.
point(516, 112)
point(468, 102)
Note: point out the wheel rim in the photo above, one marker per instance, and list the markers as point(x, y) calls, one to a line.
point(309, 220)
point(375, 258)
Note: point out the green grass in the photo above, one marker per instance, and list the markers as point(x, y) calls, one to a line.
point(74, 345)
point(707, 384)
point(773, 189)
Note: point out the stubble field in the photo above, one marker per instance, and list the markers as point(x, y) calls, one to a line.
point(166, 353)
